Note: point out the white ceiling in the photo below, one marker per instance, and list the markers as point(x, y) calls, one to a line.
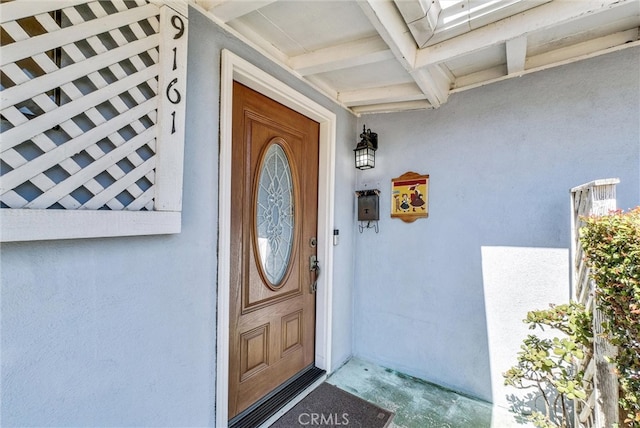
point(394, 55)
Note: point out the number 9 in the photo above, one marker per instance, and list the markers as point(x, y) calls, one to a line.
point(178, 26)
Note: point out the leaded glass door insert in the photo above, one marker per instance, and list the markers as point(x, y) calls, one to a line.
point(275, 215)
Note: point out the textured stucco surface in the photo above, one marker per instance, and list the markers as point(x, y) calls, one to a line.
point(121, 331)
point(442, 298)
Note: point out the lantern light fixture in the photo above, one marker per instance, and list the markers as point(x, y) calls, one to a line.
point(365, 151)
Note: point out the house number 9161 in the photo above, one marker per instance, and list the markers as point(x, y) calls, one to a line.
point(173, 95)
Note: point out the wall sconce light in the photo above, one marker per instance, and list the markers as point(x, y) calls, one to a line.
point(365, 151)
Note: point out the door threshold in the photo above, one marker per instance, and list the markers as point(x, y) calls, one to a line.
point(295, 400)
point(278, 399)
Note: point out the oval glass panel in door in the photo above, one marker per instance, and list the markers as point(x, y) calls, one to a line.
point(274, 215)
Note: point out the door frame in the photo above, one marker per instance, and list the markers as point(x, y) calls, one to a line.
point(235, 68)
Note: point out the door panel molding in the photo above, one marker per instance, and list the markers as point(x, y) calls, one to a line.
point(240, 70)
point(256, 340)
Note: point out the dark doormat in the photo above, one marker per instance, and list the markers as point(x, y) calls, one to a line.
point(329, 406)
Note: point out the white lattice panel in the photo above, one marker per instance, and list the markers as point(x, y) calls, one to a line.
point(594, 198)
point(94, 147)
point(91, 93)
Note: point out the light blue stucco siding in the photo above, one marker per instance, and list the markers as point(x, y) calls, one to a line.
point(122, 331)
point(442, 298)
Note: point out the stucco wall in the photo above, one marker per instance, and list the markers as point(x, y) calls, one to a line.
point(441, 298)
point(121, 331)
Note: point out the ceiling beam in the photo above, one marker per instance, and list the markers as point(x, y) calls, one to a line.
point(251, 37)
point(434, 82)
point(390, 24)
point(393, 107)
point(529, 69)
point(516, 54)
point(228, 10)
point(475, 79)
point(421, 17)
point(323, 86)
point(386, 94)
point(204, 4)
point(352, 54)
point(540, 18)
point(584, 48)
point(554, 58)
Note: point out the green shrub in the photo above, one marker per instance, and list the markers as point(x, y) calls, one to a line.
point(547, 364)
point(612, 250)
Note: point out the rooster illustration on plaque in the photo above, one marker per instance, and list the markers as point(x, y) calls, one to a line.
point(409, 196)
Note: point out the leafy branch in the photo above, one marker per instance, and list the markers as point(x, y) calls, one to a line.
point(612, 249)
point(548, 365)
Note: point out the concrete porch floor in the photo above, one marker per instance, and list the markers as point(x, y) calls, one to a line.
point(418, 404)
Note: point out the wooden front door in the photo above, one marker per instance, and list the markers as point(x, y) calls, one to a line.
point(273, 230)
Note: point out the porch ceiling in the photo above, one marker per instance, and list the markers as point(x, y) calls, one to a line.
point(394, 55)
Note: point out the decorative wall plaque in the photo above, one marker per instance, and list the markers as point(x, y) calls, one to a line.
point(410, 197)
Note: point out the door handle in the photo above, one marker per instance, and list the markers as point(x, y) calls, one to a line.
point(314, 268)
